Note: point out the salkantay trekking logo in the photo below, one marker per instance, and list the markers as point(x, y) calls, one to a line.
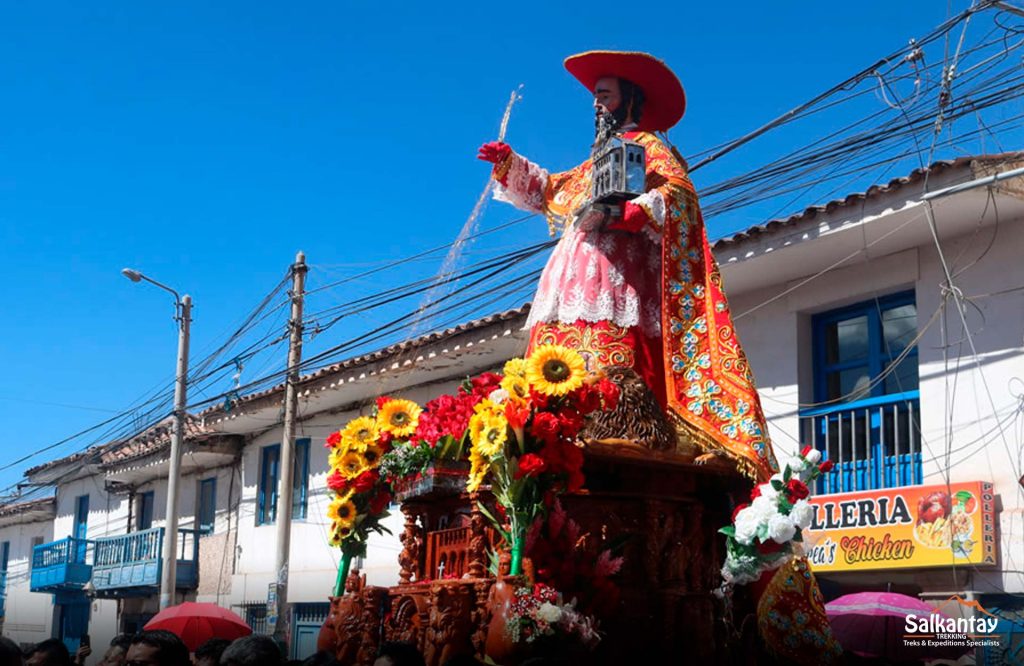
point(937, 629)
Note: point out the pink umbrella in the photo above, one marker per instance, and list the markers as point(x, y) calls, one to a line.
point(196, 623)
point(873, 624)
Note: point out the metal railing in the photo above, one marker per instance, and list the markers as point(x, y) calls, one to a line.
point(134, 547)
point(874, 443)
point(66, 551)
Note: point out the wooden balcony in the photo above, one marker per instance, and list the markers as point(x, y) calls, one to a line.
point(61, 566)
point(130, 565)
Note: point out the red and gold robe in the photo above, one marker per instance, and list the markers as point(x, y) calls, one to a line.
point(646, 292)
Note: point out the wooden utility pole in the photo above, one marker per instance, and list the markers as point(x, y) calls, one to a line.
point(278, 611)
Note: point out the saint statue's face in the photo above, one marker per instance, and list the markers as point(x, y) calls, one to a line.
point(607, 96)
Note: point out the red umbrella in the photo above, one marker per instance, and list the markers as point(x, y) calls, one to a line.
point(197, 623)
point(872, 624)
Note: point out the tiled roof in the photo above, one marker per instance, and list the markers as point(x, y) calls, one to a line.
point(856, 198)
point(25, 507)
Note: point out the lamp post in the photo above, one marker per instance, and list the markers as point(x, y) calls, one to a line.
point(183, 315)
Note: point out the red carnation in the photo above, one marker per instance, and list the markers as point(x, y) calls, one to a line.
point(516, 414)
point(570, 422)
point(333, 440)
point(736, 511)
point(379, 502)
point(365, 481)
point(827, 466)
point(545, 427)
point(804, 452)
point(530, 465)
point(336, 482)
point(797, 490)
point(588, 399)
point(383, 400)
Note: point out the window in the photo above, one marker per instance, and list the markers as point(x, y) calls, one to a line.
point(268, 484)
point(207, 505)
point(866, 394)
point(144, 517)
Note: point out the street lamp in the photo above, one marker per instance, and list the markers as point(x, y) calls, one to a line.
point(183, 315)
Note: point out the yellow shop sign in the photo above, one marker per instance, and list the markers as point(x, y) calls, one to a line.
point(909, 527)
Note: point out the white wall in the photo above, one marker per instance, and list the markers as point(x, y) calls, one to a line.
point(28, 615)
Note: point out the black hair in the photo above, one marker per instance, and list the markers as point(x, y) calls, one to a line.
point(123, 641)
point(171, 651)
point(10, 653)
point(462, 660)
point(212, 649)
point(322, 658)
point(401, 654)
point(56, 652)
point(252, 650)
point(632, 102)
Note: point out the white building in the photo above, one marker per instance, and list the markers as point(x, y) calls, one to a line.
point(839, 309)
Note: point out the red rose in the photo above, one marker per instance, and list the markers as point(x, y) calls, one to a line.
point(365, 481)
point(755, 493)
point(588, 398)
point(384, 439)
point(738, 508)
point(336, 482)
point(609, 393)
point(805, 451)
point(826, 466)
point(530, 465)
point(797, 490)
point(379, 502)
point(545, 427)
point(570, 422)
point(333, 440)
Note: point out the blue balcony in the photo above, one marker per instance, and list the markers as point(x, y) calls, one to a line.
point(130, 565)
point(874, 443)
point(3, 592)
point(61, 566)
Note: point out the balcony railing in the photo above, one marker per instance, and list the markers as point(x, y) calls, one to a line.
point(131, 564)
point(874, 443)
point(61, 565)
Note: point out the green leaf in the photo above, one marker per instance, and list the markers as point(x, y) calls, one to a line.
point(728, 531)
point(777, 485)
point(762, 533)
point(798, 536)
point(787, 475)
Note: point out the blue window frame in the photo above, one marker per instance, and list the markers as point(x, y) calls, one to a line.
point(144, 518)
point(270, 465)
point(207, 511)
point(81, 527)
point(866, 390)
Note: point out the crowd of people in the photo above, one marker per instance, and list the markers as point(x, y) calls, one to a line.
point(163, 648)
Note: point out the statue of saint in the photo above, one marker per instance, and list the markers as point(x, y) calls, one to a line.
point(640, 288)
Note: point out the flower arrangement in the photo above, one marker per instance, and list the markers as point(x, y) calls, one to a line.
point(764, 533)
point(538, 612)
point(523, 435)
point(361, 496)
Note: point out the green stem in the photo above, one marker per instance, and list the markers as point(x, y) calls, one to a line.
point(343, 567)
point(516, 565)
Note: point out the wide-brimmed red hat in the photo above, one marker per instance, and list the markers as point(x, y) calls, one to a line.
point(665, 100)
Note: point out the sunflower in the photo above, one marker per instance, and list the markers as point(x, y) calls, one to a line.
point(478, 467)
point(342, 512)
point(517, 387)
point(339, 533)
point(555, 370)
point(359, 433)
point(371, 456)
point(351, 465)
point(492, 436)
point(515, 367)
point(399, 417)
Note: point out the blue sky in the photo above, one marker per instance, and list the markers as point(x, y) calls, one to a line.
point(204, 145)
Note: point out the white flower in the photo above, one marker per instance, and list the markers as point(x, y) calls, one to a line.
point(747, 522)
point(498, 396)
point(802, 514)
point(814, 456)
point(768, 491)
point(765, 507)
point(548, 612)
point(781, 528)
point(796, 464)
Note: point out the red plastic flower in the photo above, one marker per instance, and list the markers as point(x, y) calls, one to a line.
point(755, 493)
point(805, 451)
point(739, 507)
point(333, 440)
point(337, 482)
point(570, 422)
point(379, 502)
point(530, 465)
point(826, 466)
point(797, 490)
point(516, 414)
point(383, 400)
point(365, 481)
point(769, 547)
point(545, 427)
point(609, 393)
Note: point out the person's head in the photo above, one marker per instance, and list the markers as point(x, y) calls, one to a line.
point(462, 660)
point(117, 652)
point(208, 654)
point(50, 652)
point(399, 654)
point(252, 650)
point(619, 97)
point(322, 658)
point(156, 648)
point(10, 653)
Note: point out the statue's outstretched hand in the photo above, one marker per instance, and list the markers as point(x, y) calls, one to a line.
point(494, 152)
